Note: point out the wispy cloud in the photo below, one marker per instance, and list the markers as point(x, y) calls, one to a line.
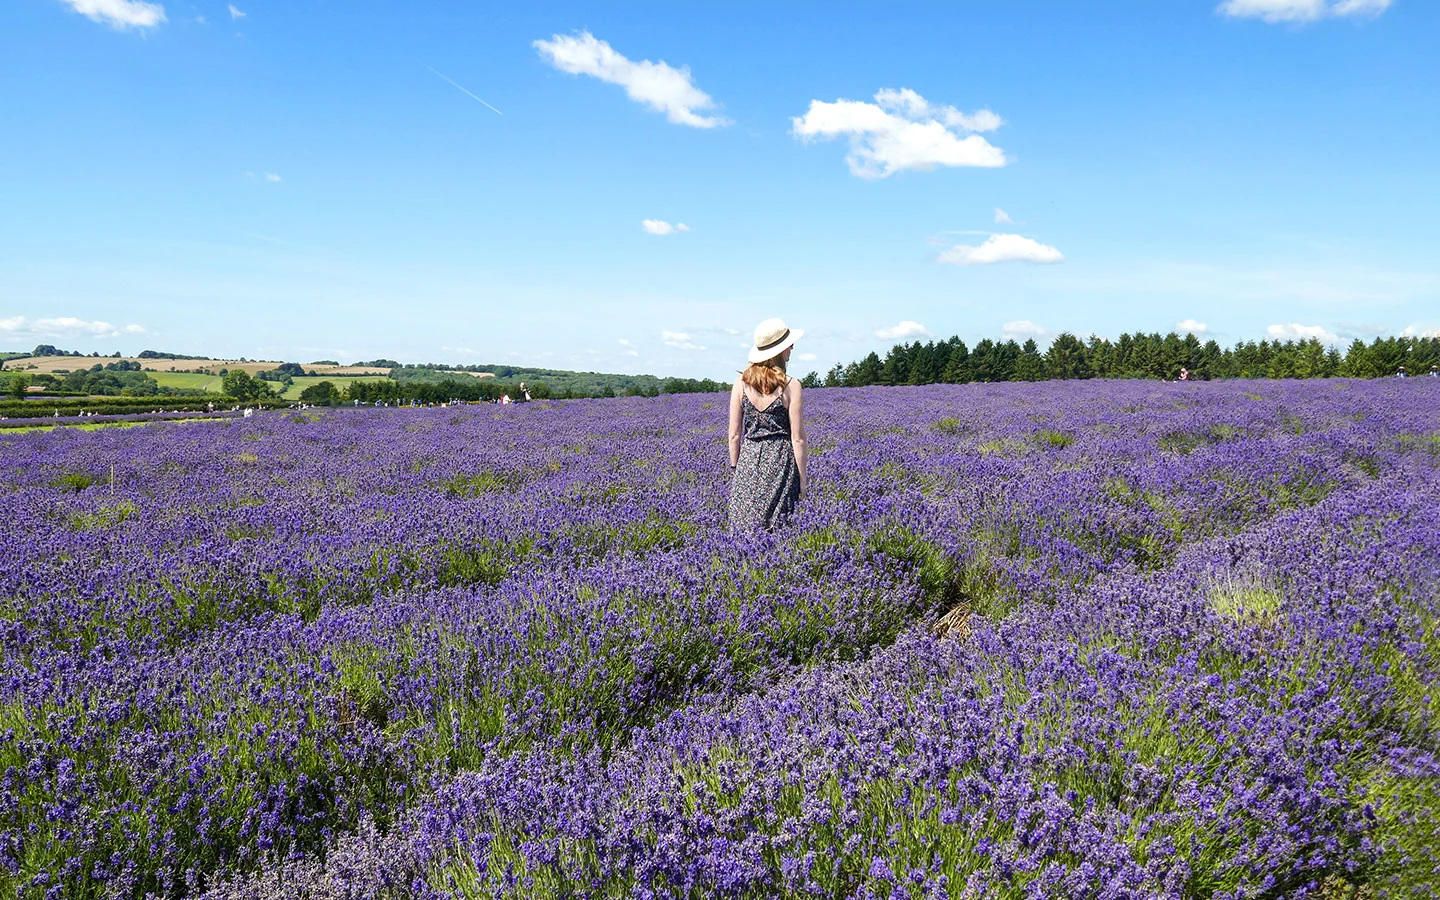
point(466, 91)
point(236, 12)
point(120, 13)
point(902, 130)
point(679, 340)
point(660, 226)
point(1421, 331)
point(65, 327)
point(1301, 10)
point(1190, 326)
point(1002, 217)
point(902, 331)
point(1001, 248)
point(1294, 331)
point(1023, 328)
point(657, 85)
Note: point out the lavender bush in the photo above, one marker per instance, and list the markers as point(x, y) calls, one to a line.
point(498, 652)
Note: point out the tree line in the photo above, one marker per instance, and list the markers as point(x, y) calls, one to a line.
point(1131, 356)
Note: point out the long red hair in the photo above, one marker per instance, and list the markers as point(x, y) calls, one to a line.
point(766, 377)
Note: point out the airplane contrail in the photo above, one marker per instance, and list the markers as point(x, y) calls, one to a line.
point(465, 89)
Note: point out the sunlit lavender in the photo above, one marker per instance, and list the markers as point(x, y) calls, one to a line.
point(1069, 639)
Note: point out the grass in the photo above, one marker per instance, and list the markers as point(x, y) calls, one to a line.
point(86, 426)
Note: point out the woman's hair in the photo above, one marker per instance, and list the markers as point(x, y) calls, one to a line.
point(766, 377)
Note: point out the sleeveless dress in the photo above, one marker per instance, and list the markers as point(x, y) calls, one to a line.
point(766, 484)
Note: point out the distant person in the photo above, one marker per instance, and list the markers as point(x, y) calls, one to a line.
point(767, 433)
point(1401, 373)
point(504, 399)
point(1184, 374)
point(524, 391)
point(1435, 371)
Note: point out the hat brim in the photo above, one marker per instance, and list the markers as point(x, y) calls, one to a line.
point(758, 356)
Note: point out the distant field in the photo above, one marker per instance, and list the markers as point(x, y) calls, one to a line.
point(160, 366)
point(208, 383)
point(305, 381)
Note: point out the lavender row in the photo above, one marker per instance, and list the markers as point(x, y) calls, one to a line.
point(1257, 721)
point(251, 647)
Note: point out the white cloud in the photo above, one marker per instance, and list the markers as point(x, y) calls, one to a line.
point(1002, 217)
point(660, 226)
point(1301, 10)
point(273, 178)
point(1001, 248)
point(120, 13)
point(1360, 7)
point(902, 130)
point(1023, 328)
point(1294, 331)
point(679, 340)
point(65, 327)
point(1190, 326)
point(902, 330)
point(236, 12)
point(806, 357)
point(656, 85)
point(1420, 331)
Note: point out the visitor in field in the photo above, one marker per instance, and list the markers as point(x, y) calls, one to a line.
point(767, 433)
point(1435, 371)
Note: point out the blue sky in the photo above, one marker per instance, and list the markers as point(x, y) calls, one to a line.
point(464, 182)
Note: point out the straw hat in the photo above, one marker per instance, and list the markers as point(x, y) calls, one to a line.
point(773, 338)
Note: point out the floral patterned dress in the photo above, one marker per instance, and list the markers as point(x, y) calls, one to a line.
point(766, 484)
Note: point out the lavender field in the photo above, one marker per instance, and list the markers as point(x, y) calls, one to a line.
point(1191, 649)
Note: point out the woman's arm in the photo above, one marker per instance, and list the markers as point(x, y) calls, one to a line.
point(737, 422)
point(797, 431)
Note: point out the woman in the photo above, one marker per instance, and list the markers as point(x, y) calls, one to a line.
point(767, 434)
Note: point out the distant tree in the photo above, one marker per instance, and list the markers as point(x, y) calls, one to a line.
point(1066, 358)
point(324, 392)
point(957, 364)
point(18, 384)
point(811, 379)
point(241, 386)
point(47, 350)
point(1029, 366)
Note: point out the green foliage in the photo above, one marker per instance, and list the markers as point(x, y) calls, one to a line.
point(480, 483)
point(75, 481)
point(1056, 440)
point(1246, 602)
point(104, 518)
